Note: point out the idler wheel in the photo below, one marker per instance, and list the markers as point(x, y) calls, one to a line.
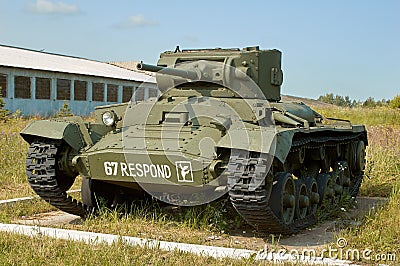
point(283, 197)
point(65, 174)
point(360, 156)
point(352, 155)
point(312, 191)
point(88, 197)
point(302, 199)
point(95, 193)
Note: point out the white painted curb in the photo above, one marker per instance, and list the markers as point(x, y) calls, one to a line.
point(8, 201)
point(16, 200)
point(216, 252)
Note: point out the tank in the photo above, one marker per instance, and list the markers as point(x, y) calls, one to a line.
point(217, 129)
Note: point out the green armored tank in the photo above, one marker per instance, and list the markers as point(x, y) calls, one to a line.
point(218, 129)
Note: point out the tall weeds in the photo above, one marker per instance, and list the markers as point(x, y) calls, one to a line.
point(383, 161)
point(13, 152)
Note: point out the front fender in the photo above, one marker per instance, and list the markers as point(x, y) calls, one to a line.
point(70, 132)
point(264, 141)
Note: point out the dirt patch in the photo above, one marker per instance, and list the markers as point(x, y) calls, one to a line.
point(315, 237)
point(307, 101)
point(50, 218)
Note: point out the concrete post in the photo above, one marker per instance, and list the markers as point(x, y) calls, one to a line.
point(53, 90)
point(89, 91)
point(105, 92)
point(11, 87)
point(146, 93)
point(33, 88)
point(72, 88)
point(134, 94)
point(120, 93)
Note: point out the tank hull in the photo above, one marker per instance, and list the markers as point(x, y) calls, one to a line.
point(320, 156)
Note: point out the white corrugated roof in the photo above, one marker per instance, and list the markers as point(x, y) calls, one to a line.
point(24, 58)
point(131, 65)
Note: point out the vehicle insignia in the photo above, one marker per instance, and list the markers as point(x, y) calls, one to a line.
point(184, 171)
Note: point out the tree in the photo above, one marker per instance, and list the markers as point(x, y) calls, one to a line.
point(395, 102)
point(345, 101)
point(369, 102)
point(327, 98)
point(335, 99)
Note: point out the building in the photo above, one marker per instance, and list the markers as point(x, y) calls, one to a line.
point(36, 82)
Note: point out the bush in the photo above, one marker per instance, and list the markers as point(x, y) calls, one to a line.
point(395, 102)
point(65, 110)
point(3, 112)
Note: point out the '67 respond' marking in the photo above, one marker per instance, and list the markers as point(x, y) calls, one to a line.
point(137, 169)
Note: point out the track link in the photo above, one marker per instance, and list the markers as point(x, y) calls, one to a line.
point(41, 171)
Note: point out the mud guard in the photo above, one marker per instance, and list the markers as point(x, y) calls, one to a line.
point(275, 143)
point(72, 132)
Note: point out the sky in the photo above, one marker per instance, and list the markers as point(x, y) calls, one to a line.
point(346, 47)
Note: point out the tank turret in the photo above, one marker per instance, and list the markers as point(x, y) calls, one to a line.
point(227, 67)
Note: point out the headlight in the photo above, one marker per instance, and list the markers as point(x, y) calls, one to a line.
point(108, 118)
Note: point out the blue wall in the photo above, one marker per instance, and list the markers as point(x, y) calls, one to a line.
point(51, 106)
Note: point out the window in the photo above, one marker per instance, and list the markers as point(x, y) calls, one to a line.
point(98, 92)
point(43, 87)
point(22, 86)
point(127, 93)
point(112, 93)
point(63, 89)
point(80, 90)
point(152, 92)
point(139, 94)
point(3, 85)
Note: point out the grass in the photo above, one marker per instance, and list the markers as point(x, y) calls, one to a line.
point(378, 116)
point(13, 181)
point(23, 250)
point(383, 161)
point(190, 225)
point(379, 230)
point(19, 210)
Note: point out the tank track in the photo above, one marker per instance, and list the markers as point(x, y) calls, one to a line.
point(253, 203)
point(315, 143)
point(41, 171)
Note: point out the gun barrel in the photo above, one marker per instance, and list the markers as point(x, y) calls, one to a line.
point(187, 74)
